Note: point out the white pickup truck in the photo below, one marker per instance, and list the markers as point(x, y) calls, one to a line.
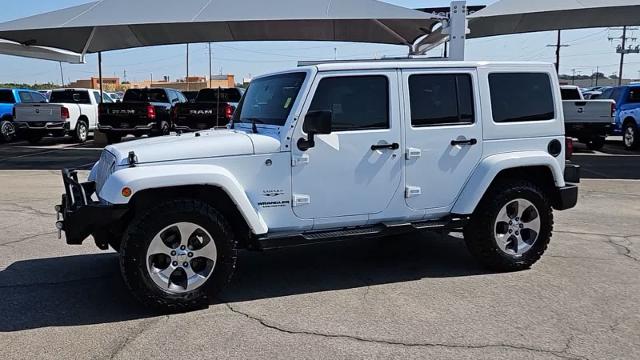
point(587, 120)
point(70, 111)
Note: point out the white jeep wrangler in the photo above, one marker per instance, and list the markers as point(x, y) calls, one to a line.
point(335, 151)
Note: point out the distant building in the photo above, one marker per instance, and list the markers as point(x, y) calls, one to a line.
point(192, 83)
point(108, 83)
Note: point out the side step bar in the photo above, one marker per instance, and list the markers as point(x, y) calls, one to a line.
point(374, 231)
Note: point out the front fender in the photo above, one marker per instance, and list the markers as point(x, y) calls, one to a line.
point(491, 166)
point(164, 176)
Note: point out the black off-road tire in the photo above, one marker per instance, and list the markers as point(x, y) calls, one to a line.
point(479, 233)
point(81, 133)
point(113, 138)
point(139, 235)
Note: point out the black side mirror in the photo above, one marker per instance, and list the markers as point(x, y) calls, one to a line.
point(315, 122)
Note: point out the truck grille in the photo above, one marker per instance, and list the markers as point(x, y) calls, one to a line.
point(106, 167)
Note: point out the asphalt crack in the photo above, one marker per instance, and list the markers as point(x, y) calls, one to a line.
point(562, 354)
point(26, 238)
point(30, 209)
point(622, 249)
point(138, 331)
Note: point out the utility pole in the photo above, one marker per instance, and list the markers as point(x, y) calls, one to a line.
point(61, 74)
point(623, 49)
point(210, 67)
point(187, 78)
point(558, 45)
point(597, 74)
point(573, 77)
point(151, 84)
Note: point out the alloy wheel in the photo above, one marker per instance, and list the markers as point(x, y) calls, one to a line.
point(629, 136)
point(517, 227)
point(181, 257)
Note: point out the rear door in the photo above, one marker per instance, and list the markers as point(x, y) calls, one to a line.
point(443, 135)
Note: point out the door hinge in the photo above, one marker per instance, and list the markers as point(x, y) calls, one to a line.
point(301, 200)
point(412, 191)
point(413, 153)
point(300, 160)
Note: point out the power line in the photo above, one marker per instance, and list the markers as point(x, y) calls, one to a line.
point(622, 48)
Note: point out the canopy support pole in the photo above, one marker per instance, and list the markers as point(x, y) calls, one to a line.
point(457, 30)
point(100, 74)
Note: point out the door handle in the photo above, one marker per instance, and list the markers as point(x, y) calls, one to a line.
point(394, 146)
point(469, 142)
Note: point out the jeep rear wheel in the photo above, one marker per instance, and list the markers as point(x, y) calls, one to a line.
point(177, 255)
point(511, 228)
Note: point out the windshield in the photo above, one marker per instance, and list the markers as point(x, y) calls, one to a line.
point(222, 95)
point(146, 95)
point(6, 97)
point(70, 96)
point(269, 99)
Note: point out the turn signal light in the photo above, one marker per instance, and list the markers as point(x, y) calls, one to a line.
point(126, 192)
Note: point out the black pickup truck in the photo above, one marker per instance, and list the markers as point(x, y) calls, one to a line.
point(141, 112)
point(211, 108)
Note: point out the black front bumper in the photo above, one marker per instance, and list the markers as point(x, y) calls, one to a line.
point(79, 216)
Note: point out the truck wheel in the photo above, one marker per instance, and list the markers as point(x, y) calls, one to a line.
point(82, 131)
point(630, 136)
point(177, 255)
point(511, 228)
point(7, 131)
point(113, 138)
point(34, 139)
point(596, 143)
point(164, 129)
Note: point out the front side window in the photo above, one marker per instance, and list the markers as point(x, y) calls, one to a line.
point(441, 99)
point(634, 95)
point(6, 97)
point(520, 97)
point(356, 102)
point(269, 100)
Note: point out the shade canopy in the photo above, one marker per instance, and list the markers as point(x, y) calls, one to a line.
point(37, 52)
point(118, 24)
point(519, 16)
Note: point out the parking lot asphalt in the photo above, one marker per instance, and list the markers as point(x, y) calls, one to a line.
point(406, 297)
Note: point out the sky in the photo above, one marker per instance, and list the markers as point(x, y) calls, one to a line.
point(589, 49)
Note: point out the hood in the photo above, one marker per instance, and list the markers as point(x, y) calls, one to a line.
point(203, 144)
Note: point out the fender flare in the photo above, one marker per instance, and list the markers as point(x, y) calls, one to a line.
point(164, 176)
point(491, 166)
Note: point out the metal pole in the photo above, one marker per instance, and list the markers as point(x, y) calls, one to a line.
point(100, 73)
point(187, 78)
point(558, 45)
point(624, 45)
point(210, 68)
point(61, 74)
point(597, 74)
point(151, 85)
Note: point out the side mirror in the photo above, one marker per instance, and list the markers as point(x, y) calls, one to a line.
point(315, 122)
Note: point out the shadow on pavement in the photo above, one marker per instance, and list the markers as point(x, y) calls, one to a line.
point(87, 289)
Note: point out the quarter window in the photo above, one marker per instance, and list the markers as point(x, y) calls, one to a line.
point(441, 99)
point(519, 97)
point(357, 102)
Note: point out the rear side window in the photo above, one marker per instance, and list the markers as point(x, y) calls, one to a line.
point(634, 95)
point(357, 102)
point(570, 94)
point(70, 96)
point(441, 99)
point(518, 97)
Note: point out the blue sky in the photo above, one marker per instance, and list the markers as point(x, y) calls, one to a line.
point(589, 48)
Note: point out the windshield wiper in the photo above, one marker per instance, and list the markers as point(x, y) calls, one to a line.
point(254, 121)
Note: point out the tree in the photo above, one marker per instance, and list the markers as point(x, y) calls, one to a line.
point(598, 75)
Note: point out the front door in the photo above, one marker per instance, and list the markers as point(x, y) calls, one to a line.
point(443, 136)
point(356, 169)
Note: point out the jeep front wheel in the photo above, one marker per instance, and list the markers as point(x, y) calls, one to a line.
point(511, 228)
point(177, 255)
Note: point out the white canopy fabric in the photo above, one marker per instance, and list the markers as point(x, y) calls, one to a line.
point(36, 52)
point(521, 16)
point(118, 24)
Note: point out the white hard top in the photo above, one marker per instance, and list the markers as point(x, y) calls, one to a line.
point(416, 63)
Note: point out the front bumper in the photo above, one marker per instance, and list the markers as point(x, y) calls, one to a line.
point(79, 216)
